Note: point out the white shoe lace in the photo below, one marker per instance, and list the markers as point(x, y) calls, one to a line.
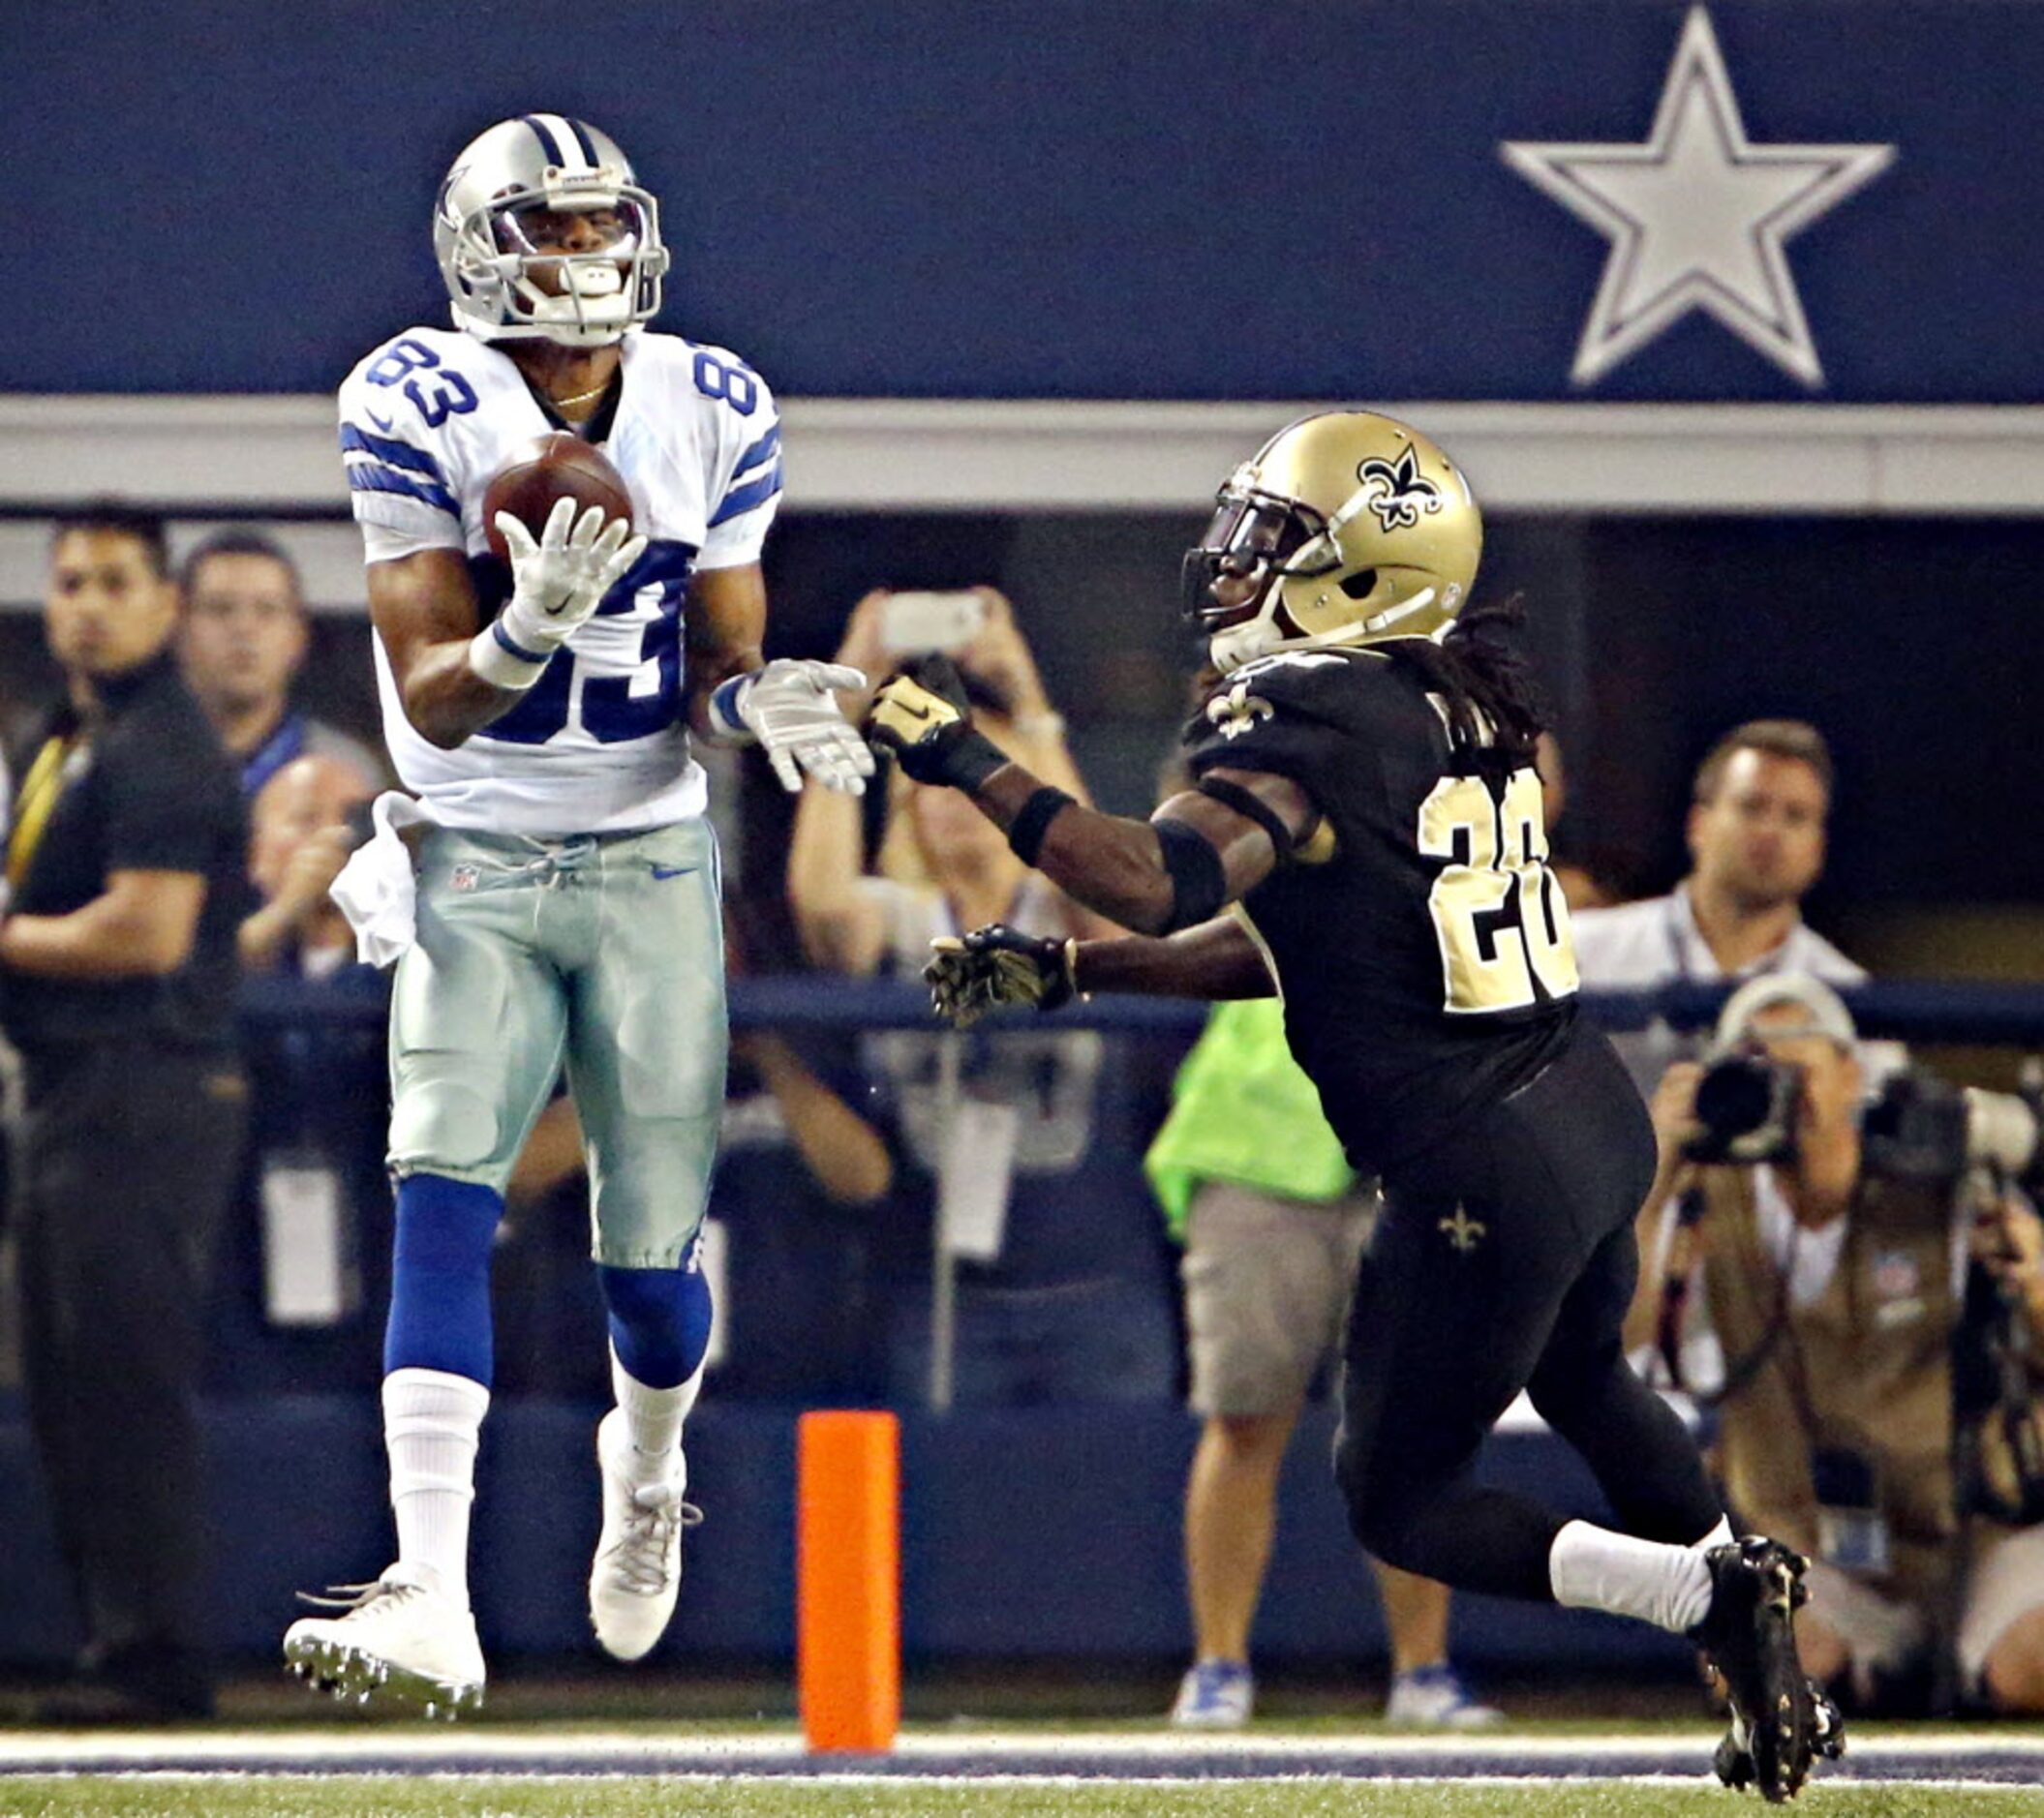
point(360, 1599)
point(653, 1526)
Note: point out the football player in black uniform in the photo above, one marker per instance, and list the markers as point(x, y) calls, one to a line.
point(1365, 803)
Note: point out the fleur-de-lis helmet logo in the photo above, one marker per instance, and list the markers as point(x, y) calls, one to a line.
point(1399, 492)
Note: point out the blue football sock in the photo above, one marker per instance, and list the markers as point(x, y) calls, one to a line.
point(440, 1278)
point(660, 1323)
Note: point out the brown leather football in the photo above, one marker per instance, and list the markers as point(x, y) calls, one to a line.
point(549, 468)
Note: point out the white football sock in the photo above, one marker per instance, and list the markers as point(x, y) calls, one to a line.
point(431, 1428)
point(653, 1418)
point(1592, 1568)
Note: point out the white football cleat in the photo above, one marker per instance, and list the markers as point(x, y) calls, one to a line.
point(396, 1642)
point(1435, 1698)
point(637, 1572)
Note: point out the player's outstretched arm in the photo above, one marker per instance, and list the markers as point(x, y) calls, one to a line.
point(1179, 869)
point(1213, 960)
point(1001, 968)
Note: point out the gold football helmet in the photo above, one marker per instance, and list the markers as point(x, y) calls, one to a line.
point(1347, 529)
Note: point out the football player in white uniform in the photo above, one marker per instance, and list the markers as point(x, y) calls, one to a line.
point(567, 892)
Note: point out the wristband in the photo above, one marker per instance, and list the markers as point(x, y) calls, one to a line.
point(502, 662)
point(726, 726)
point(1071, 971)
point(1025, 835)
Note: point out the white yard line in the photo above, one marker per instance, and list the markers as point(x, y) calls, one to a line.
point(1046, 1781)
point(418, 1749)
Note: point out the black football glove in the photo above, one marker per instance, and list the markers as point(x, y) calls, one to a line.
point(996, 968)
point(924, 718)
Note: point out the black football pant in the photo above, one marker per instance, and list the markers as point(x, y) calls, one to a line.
point(128, 1154)
point(1506, 1260)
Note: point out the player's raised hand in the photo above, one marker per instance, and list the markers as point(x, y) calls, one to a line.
point(995, 967)
point(790, 706)
point(925, 719)
point(559, 580)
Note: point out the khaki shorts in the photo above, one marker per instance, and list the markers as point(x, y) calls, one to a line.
point(1883, 1631)
point(1268, 1283)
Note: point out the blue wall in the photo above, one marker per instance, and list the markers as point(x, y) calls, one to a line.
point(1231, 198)
point(1030, 1534)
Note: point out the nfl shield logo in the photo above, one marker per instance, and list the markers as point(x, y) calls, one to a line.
point(1895, 1275)
point(465, 876)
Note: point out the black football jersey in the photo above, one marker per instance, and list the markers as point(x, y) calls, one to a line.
point(1419, 939)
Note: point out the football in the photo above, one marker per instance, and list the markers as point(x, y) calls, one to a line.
point(548, 468)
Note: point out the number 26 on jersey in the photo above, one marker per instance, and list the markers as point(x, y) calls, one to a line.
point(1498, 910)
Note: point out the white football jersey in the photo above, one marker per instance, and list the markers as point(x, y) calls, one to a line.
point(598, 745)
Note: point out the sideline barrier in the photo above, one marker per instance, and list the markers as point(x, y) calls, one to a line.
point(1905, 1009)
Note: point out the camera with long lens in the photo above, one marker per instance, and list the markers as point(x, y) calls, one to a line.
point(1923, 1129)
point(1960, 1141)
point(1745, 1102)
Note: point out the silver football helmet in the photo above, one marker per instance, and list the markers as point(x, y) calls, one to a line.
point(543, 231)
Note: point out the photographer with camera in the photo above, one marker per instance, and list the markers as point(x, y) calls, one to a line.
point(1876, 1285)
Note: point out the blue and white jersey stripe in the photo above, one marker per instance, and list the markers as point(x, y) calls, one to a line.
point(745, 497)
point(381, 464)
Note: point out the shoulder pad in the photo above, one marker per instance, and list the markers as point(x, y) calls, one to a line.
point(415, 380)
point(392, 408)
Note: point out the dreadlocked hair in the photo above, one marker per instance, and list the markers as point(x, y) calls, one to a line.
point(1483, 679)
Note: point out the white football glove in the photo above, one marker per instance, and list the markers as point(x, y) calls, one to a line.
point(556, 584)
point(789, 707)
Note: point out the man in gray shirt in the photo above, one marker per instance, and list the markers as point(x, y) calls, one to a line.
point(1756, 849)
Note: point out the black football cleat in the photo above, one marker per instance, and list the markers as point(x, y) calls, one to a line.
point(1757, 1586)
point(1734, 1762)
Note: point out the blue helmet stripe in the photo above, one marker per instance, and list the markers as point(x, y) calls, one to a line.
point(583, 140)
point(547, 141)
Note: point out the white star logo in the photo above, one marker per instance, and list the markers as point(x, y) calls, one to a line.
point(1698, 217)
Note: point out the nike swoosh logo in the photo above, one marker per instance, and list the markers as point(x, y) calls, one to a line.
point(383, 423)
point(672, 870)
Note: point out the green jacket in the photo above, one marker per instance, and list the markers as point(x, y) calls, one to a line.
point(1242, 1111)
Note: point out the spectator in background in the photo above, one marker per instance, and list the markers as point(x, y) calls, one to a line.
point(1835, 1277)
point(310, 1246)
point(1274, 1222)
point(242, 642)
point(1063, 1292)
point(127, 864)
point(300, 837)
point(1757, 848)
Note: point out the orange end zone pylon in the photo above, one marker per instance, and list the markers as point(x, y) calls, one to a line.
point(848, 1579)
